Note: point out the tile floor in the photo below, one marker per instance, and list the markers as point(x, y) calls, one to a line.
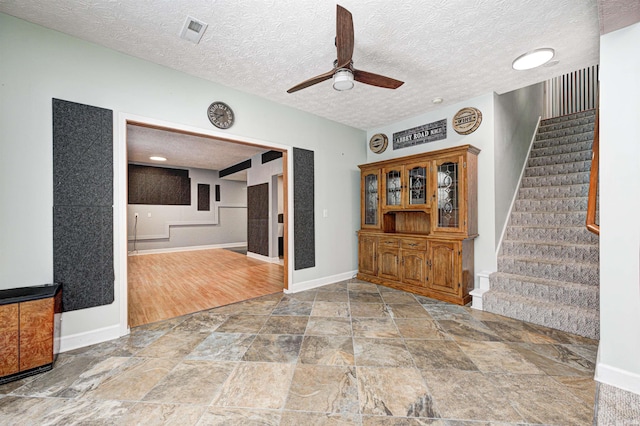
point(350, 353)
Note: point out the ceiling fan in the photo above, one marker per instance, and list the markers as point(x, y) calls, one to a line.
point(343, 73)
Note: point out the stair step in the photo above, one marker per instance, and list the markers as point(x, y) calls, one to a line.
point(555, 180)
point(566, 293)
point(566, 148)
point(551, 160)
point(572, 319)
point(558, 169)
point(556, 269)
point(565, 204)
point(546, 126)
point(548, 218)
point(576, 138)
point(565, 234)
point(561, 133)
point(589, 253)
point(561, 191)
point(568, 117)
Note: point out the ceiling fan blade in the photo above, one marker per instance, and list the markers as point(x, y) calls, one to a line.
point(376, 79)
point(344, 36)
point(313, 80)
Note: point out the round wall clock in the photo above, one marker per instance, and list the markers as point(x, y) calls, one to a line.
point(220, 115)
point(378, 143)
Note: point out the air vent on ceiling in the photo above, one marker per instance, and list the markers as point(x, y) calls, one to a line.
point(193, 30)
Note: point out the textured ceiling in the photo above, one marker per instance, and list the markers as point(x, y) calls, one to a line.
point(454, 49)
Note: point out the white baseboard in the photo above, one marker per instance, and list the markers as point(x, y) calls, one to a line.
point(87, 338)
point(613, 376)
point(308, 285)
point(263, 258)
point(191, 248)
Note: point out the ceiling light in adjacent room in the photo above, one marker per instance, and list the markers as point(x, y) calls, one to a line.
point(437, 100)
point(533, 59)
point(155, 158)
point(343, 79)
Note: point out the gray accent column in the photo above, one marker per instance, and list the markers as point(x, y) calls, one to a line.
point(258, 219)
point(303, 208)
point(83, 204)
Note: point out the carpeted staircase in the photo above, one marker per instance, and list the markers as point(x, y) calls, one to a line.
point(548, 264)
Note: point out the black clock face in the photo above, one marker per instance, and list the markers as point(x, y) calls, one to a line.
point(220, 115)
point(378, 143)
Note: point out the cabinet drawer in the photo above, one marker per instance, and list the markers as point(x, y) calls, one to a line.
point(416, 244)
point(388, 242)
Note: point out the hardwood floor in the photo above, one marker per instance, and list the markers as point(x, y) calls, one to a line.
point(167, 285)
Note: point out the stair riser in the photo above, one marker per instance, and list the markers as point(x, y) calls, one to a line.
point(585, 297)
point(577, 138)
point(552, 205)
point(557, 169)
point(576, 235)
point(548, 219)
point(549, 160)
point(557, 180)
point(549, 127)
point(566, 191)
point(576, 253)
point(561, 149)
point(580, 273)
point(568, 118)
point(566, 320)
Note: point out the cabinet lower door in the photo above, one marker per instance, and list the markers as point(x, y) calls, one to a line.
point(367, 255)
point(9, 339)
point(389, 263)
point(443, 274)
point(36, 331)
point(414, 267)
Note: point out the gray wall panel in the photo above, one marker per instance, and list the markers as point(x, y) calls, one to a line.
point(303, 206)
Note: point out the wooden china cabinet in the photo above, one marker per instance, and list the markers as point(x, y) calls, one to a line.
point(418, 221)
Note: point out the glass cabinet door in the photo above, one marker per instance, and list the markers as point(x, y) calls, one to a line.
point(448, 194)
point(417, 185)
point(370, 199)
point(393, 188)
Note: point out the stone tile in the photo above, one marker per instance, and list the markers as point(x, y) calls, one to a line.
point(340, 287)
point(394, 392)
point(588, 352)
point(397, 297)
point(202, 322)
point(541, 399)
point(403, 421)
point(191, 382)
point(364, 297)
point(256, 385)
point(298, 418)
point(469, 395)
point(327, 350)
point(302, 296)
point(374, 327)
point(175, 344)
point(23, 411)
point(497, 357)
point(327, 389)
point(222, 347)
point(437, 355)
point(260, 306)
point(514, 332)
point(243, 324)
point(417, 328)
point(555, 360)
point(582, 387)
point(446, 311)
point(132, 381)
point(330, 309)
point(362, 286)
point(320, 326)
point(290, 306)
point(381, 353)
point(332, 296)
point(558, 336)
point(162, 326)
point(407, 310)
point(274, 348)
point(285, 325)
point(369, 310)
point(423, 300)
point(220, 416)
point(468, 330)
point(144, 413)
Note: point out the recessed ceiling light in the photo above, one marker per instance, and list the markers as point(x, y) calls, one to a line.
point(437, 100)
point(533, 59)
point(154, 158)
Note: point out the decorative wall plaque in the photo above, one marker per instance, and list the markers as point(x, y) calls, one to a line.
point(467, 120)
point(422, 134)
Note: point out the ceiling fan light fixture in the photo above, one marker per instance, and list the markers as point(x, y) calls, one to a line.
point(533, 59)
point(157, 158)
point(343, 80)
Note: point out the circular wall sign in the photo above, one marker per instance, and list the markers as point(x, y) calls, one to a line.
point(467, 120)
point(378, 143)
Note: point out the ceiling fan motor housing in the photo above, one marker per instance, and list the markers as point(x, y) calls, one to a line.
point(343, 79)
